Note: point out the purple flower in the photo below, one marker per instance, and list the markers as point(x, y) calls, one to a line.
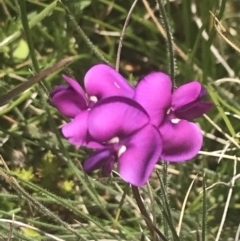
point(101, 81)
point(123, 131)
point(172, 112)
point(131, 127)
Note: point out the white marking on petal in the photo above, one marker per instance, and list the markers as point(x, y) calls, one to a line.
point(175, 121)
point(168, 111)
point(114, 140)
point(122, 150)
point(116, 84)
point(93, 98)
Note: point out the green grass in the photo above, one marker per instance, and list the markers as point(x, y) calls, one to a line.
point(43, 187)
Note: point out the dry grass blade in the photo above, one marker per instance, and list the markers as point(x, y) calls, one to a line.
point(235, 176)
point(11, 229)
point(178, 229)
point(21, 224)
point(224, 33)
point(35, 79)
point(162, 30)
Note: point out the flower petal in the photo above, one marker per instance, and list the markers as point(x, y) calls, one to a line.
point(116, 117)
point(142, 153)
point(102, 81)
point(194, 110)
point(76, 87)
point(76, 130)
point(154, 93)
point(67, 101)
point(203, 92)
point(181, 141)
point(185, 94)
point(99, 159)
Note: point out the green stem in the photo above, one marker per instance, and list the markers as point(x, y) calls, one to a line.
point(204, 211)
point(22, 4)
point(23, 10)
point(84, 36)
point(171, 54)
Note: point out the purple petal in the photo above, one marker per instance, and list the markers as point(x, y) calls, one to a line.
point(102, 81)
point(67, 101)
point(181, 141)
point(76, 130)
point(116, 117)
point(142, 152)
point(194, 110)
point(154, 94)
point(92, 143)
point(76, 87)
point(202, 93)
point(186, 94)
point(99, 159)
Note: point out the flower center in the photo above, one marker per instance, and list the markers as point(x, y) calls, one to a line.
point(121, 150)
point(175, 120)
point(171, 116)
point(113, 140)
point(93, 99)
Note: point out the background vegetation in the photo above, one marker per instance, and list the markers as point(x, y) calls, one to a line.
point(44, 195)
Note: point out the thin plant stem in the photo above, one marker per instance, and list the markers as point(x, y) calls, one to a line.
point(153, 208)
point(84, 36)
point(36, 67)
point(145, 214)
point(204, 211)
point(237, 234)
point(169, 40)
point(227, 201)
point(178, 229)
point(12, 181)
point(164, 192)
point(172, 67)
point(26, 28)
point(126, 190)
point(11, 228)
point(123, 34)
point(22, 5)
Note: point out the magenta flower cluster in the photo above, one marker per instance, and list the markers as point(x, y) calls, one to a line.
point(133, 127)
